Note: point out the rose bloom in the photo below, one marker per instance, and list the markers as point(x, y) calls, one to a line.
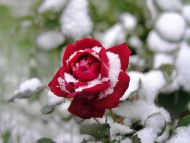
point(94, 77)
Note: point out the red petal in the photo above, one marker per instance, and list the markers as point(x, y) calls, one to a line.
point(98, 87)
point(84, 109)
point(87, 43)
point(124, 52)
point(104, 63)
point(112, 100)
point(54, 85)
point(69, 50)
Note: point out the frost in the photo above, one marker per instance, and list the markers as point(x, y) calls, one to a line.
point(170, 5)
point(161, 59)
point(129, 22)
point(186, 13)
point(51, 5)
point(171, 26)
point(182, 135)
point(135, 41)
point(52, 98)
point(75, 20)
point(114, 35)
point(157, 44)
point(50, 40)
point(182, 66)
point(114, 70)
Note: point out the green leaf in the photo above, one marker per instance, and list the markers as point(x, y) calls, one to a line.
point(48, 109)
point(45, 140)
point(167, 70)
point(98, 131)
point(184, 121)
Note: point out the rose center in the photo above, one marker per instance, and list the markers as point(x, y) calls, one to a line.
point(86, 68)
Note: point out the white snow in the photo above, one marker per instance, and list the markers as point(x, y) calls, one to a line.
point(62, 85)
point(114, 35)
point(113, 75)
point(135, 41)
point(52, 98)
point(161, 59)
point(139, 110)
point(51, 5)
point(135, 79)
point(169, 5)
point(96, 49)
point(129, 22)
point(183, 66)
point(117, 130)
point(75, 20)
point(157, 44)
point(182, 135)
point(186, 13)
point(171, 26)
point(70, 78)
point(136, 61)
point(50, 39)
point(31, 85)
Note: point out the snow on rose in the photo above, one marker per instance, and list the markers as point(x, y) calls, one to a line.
point(92, 76)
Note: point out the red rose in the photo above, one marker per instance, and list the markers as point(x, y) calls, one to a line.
point(93, 76)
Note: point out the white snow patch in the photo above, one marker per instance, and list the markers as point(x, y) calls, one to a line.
point(161, 59)
point(139, 111)
point(96, 49)
point(135, 79)
point(62, 85)
point(51, 5)
point(186, 13)
point(182, 135)
point(169, 5)
point(171, 26)
point(75, 20)
point(52, 98)
point(114, 35)
point(137, 61)
point(129, 22)
point(70, 78)
point(135, 41)
point(183, 66)
point(31, 85)
point(113, 75)
point(157, 44)
point(50, 40)
point(117, 130)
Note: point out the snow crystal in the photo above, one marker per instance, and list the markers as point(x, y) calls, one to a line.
point(161, 59)
point(182, 135)
point(139, 111)
point(70, 78)
point(186, 13)
point(171, 26)
point(62, 84)
point(129, 22)
point(157, 44)
point(50, 40)
point(31, 85)
point(75, 20)
point(169, 5)
point(183, 66)
point(114, 70)
point(135, 79)
point(114, 35)
point(51, 5)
